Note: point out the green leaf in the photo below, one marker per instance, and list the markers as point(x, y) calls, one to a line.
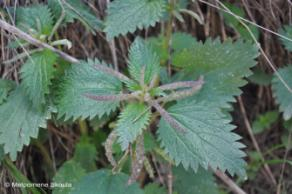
point(281, 93)
point(288, 125)
point(85, 154)
point(17, 43)
point(286, 141)
point(142, 56)
point(260, 77)
point(187, 182)
point(5, 87)
point(245, 34)
point(35, 19)
point(180, 41)
point(154, 188)
point(76, 9)
point(223, 66)
point(254, 164)
point(81, 79)
point(149, 142)
point(287, 32)
point(132, 121)
point(36, 75)
point(20, 121)
point(104, 182)
point(234, 23)
point(69, 174)
point(264, 121)
point(2, 154)
point(159, 46)
point(208, 140)
point(127, 15)
point(231, 20)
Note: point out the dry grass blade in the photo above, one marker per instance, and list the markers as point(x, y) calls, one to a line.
point(36, 42)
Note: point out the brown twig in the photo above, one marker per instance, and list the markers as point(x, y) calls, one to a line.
point(138, 162)
point(108, 148)
point(170, 179)
point(254, 141)
point(279, 186)
point(231, 184)
point(12, 29)
point(112, 45)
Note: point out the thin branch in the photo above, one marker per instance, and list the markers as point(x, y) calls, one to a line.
point(22, 55)
point(254, 141)
point(284, 163)
point(231, 184)
point(112, 45)
point(12, 29)
point(109, 148)
point(138, 163)
point(170, 179)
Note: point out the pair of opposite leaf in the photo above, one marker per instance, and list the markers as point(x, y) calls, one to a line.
point(144, 93)
point(207, 138)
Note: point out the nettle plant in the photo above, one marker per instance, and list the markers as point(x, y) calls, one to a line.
point(173, 99)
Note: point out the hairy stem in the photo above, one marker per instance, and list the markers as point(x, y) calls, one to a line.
point(118, 97)
point(138, 163)
point(178, 85)
point(197, 85)
point(108, 148)
point(167, 117)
